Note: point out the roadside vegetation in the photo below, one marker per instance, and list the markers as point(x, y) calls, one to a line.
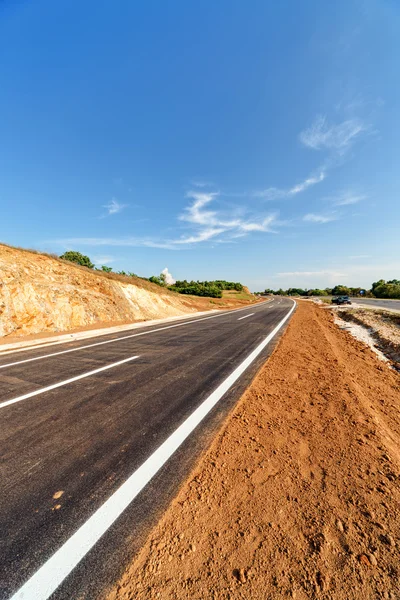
point(379, 289)
point(209, 289)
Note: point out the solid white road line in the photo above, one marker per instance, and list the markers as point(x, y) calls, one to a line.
point(245, 316)
point(125, 337)
point(65, 382)
point(47, 579)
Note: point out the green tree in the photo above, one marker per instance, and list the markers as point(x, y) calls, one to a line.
point(341, 290)
point(355, 291)
point(158, 280)
point(106, 269)
point(386, 290)
point(377, 284)
point(78, 258)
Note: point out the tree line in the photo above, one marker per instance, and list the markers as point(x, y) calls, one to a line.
point(379, 289)
point(84, 261)
point(211, 289)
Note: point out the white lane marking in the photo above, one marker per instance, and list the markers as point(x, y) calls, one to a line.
point(65, 382)
point(245, 316)
point(125, 337)
point(50, 575)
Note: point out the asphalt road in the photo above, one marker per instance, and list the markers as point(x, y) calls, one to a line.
point(378, 303)
point(79, 459)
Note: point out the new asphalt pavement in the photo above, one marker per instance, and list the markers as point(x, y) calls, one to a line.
point(97, 435)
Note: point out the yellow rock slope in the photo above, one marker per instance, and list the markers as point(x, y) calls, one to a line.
point(39, 293)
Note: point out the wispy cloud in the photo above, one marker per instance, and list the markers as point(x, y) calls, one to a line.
point(202, 224)
point(195, 213)
point(322, 135)
point(201, 183)
point(337, 139)
point(309, 273)
point(203, 236)
point(103, 260)
point(274, 193)
point(313, 218)
point(347, 198)
point(95, 241)
point(114, 207)
point(359, 256)
point(300, 187)
point(212, 223)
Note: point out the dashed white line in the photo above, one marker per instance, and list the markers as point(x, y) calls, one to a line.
point(47, 579)
point(125, 337)
point(245, 316)
point(65, 382)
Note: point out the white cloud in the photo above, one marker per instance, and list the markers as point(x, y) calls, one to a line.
point(300, 187)
point(103, 260)
point(273, 193)
point(359, 256)
point(339, 137)
point(328, 272)
point(202, 236)
point(129, 242)
point(195, 213)
point(114, 207)
point(212, 223)
point(264, 225)
point(201, 183)
point(205, 224)
point(347, 199)
point(313, 218)
point(169, 280)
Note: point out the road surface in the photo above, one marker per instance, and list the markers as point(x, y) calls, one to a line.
point(378, 303)
point(97, 435)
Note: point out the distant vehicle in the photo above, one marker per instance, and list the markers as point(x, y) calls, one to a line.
point(341, 300)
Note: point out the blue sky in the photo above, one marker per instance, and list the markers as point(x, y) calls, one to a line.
point(254, 141)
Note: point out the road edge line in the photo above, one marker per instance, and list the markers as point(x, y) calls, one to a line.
point(52, 573)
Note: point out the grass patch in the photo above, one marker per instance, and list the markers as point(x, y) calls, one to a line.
point(232, 294)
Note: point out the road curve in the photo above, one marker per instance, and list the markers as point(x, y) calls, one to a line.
point(97, 437)
point(378, 303)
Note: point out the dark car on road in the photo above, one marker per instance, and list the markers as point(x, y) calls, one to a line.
point(341, 300)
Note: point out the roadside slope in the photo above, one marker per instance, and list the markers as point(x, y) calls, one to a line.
point(39, 293)
point(298, 497)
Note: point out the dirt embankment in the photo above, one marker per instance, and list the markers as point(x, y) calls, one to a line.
point(299, 495)
point(384, 328)
point(39, 294)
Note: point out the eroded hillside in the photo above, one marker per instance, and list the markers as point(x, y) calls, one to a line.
point(39, 293)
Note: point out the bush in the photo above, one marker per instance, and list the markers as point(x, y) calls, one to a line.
point(197, 288)
point(386, 290)
point(341, 290)
point(78, 258)
point(157, 279)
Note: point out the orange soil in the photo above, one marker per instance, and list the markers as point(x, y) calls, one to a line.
point(298, 497)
